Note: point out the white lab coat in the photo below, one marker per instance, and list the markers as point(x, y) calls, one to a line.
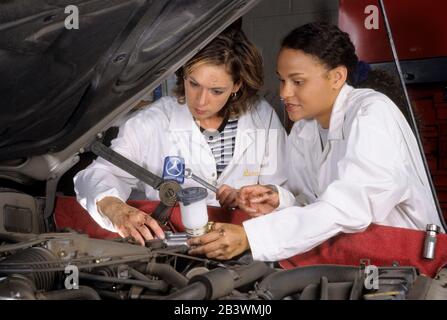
point(370, 171)
point(167, 128)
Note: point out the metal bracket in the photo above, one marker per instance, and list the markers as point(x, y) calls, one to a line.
point(167, 189)
point(51, 189)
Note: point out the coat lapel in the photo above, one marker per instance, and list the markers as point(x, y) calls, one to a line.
point(336, 132)
point(245, 137)
point(185, 133)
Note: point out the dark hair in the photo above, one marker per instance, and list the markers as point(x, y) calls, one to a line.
point(243, 62)
point(334, 48)
point(327, 43)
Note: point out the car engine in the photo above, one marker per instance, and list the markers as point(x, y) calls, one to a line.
point(71, 266)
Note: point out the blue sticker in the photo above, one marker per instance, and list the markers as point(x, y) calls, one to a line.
point(174, 169)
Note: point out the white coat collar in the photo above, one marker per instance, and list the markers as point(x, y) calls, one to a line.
point(338, 114)
point(183, 121)
point(181, 118)
point(309, 129)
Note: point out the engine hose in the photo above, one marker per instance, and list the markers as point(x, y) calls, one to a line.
point(82, 293)
point(138, 275)
point(220, 282)
point(43, 280)
point(193, 291)
point(251, 272)
point(154, 285)
point(17, 287)
point(169, 274)
point(286, 282)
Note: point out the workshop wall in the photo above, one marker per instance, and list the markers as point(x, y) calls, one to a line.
point(430, 103)
point(270, 21)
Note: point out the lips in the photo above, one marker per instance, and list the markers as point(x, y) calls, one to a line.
point(290, 107)
point(199, 111)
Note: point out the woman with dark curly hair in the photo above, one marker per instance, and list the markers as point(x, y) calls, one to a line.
point(353, 159)
point(226, 134)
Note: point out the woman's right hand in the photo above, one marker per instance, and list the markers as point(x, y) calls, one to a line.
point(129, 221)
point(258, 200)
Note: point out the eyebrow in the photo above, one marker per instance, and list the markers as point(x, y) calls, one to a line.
point(292, 74)
point(295, 74)
point(216, 88)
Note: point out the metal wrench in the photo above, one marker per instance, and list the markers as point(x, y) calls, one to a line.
point(190, 175)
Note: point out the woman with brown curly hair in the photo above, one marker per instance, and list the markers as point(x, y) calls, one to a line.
point(226, 134)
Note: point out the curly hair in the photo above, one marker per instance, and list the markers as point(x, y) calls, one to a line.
point(242, 61)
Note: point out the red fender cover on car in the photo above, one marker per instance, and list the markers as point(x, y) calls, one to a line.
point(381, 245)
point(68, 213)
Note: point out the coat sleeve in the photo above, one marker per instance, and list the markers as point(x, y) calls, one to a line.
point(102, 179)
point(371, 183)
point(286, 198)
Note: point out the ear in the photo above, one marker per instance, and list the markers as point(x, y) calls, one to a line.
point(236, 87)
point(338, 77)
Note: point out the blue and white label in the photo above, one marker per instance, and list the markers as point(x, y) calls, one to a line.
point(174, 169)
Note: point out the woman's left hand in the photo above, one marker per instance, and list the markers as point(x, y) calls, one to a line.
point(224, 242)
point(227, 196)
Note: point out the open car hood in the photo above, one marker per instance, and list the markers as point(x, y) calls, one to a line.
point(60, 87)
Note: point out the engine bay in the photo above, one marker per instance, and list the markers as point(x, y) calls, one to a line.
point(71, 266)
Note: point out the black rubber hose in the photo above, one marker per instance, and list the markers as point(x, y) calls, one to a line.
point(138, 275)
point(169, 274)
point(251, 272)
point(82, 293)
point(154, 285)
point(194, 291)
point(199, 290)
point(286, 282)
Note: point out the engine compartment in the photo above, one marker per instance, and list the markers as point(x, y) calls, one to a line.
point(71, 266)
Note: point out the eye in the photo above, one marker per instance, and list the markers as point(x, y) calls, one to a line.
point(193, 84)
point(217, 92)
point(298, 82)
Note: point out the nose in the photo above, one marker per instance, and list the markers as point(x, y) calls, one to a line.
point(203, 95)
point(285, 90)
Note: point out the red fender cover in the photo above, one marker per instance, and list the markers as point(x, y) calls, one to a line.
point(381, 245)
point(68, 213)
